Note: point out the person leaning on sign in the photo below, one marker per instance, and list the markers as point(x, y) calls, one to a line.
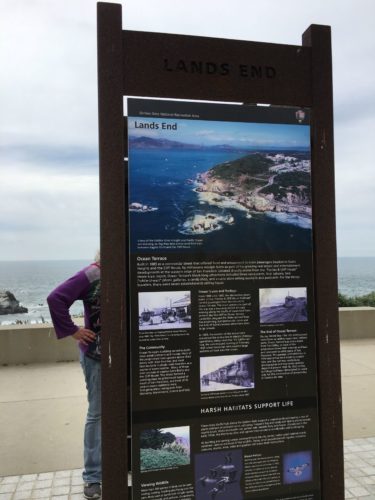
point(85, 286)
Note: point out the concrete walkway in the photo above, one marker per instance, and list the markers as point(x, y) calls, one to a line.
point(358, 387)
point(42, 414)
point(43, 407)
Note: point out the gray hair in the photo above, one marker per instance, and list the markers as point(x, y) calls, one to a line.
point(97, 257)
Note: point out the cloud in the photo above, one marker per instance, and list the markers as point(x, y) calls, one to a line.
point(51, 218)
point(48, 120)
point(62, 157)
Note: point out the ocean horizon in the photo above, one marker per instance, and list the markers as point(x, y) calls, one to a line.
point(32, 280)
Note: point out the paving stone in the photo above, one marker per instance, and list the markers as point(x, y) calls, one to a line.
point(10, 479)
point(60, 490)
point(22, 495)
point(352, 456)
point(360, 440)
point(351, 482)
point(8, 488)
point(28, 477)
point(63, 473)
point(25, 486)
point(355, 449)
point(367, 448)
point(368, 480)
point(43, 483)
point(77, 480)
point(359, 491)
point(62, 481)
point(356, 473)
point(44, 493)
point(6, 496)
point(76, 488)
point(45, 475)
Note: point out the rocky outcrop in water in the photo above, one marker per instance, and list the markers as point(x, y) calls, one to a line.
point(9, 304)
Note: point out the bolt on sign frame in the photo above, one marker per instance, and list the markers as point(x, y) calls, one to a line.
point(137, 64)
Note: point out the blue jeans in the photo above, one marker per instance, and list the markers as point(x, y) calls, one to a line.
point(93, 429)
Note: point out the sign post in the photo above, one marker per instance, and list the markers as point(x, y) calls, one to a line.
point(219, 312)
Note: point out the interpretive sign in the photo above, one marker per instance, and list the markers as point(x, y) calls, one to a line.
point(220, 367)
point(224, 389)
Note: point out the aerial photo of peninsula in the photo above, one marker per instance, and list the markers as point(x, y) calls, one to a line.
point(219, 185)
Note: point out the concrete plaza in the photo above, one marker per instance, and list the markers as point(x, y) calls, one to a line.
point(42, 411)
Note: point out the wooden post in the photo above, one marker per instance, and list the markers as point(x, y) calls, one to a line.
point(113, 253)
point(325, 267)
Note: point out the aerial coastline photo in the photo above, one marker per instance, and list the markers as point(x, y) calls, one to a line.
point(220, 184)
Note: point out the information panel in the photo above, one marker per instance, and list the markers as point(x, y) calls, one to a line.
point(223, 385)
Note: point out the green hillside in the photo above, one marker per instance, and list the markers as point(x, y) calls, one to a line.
point(296, 182)
point(161, 459)
point(250, 165)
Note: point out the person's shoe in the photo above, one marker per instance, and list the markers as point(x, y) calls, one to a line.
point(92, 490)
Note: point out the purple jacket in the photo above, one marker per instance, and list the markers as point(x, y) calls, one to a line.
point(85, 286)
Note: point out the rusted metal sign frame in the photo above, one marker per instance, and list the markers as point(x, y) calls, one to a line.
point(149, 64)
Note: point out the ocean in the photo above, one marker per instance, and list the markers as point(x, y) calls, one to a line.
point(356, 275)
point(32, 281)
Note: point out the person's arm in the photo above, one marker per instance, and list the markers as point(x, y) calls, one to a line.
point(59, 302)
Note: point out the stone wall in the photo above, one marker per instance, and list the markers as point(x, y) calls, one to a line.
point(357, 323)
point(25, 344)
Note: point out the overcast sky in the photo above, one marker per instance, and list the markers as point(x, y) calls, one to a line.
point(48, 114)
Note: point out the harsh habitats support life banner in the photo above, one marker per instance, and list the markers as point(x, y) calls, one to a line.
point(224, 383)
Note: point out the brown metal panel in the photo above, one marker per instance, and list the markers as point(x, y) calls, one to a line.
point(325, 263)
point(186, 67)
point(113, 253)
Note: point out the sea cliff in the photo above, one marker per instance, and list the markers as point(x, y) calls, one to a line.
point(259, 182)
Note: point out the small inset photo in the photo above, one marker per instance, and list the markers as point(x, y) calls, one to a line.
point(297, 467)
point(282, 305)
point(227, 373)
point(164, 310)
point(218, 475)
point(164, 448)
